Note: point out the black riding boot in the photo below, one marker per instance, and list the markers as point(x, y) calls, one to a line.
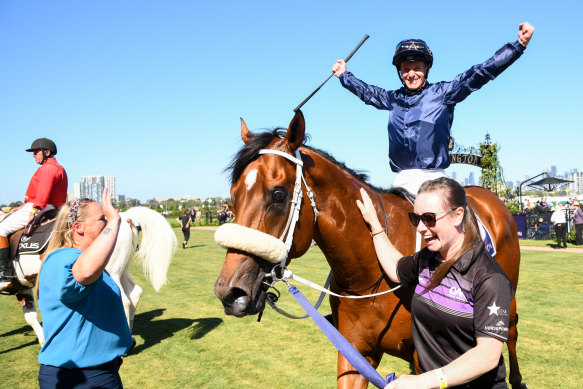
point(6, 270)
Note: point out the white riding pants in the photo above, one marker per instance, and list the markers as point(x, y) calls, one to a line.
point(411, 179)
point(15, 220)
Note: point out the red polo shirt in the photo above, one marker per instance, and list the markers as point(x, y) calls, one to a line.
point(48, 185)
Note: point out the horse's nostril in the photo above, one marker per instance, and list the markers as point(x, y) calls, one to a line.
point(233, 295)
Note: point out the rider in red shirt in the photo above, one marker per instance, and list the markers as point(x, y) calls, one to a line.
point(48, 186)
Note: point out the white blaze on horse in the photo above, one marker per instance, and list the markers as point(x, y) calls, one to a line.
point(155, 252)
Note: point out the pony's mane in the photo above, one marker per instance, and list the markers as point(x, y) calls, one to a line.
point(250, 151)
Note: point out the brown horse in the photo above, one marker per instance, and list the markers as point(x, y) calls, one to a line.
point(262, 186)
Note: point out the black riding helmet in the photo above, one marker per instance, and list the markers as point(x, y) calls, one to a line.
point(43, 144)
point(412, 50)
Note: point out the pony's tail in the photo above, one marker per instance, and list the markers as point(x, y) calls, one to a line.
point(157, 245)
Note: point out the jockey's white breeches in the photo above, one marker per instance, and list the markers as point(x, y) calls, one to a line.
point(411, 179)
point(15, 220)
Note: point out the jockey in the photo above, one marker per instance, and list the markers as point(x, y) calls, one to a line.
point(421, 114)
point(47, 186)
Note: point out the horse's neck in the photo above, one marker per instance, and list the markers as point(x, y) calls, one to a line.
point(341, 233)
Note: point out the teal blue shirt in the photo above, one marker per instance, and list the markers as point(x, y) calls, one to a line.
point(84, 325)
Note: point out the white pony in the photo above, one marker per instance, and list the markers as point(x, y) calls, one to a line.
point(155, 251)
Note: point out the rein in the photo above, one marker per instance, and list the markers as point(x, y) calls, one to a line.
point(287, 275)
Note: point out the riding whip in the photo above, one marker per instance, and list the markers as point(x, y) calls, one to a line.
point(330, 76)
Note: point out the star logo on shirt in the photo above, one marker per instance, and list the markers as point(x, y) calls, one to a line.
point(494, 309)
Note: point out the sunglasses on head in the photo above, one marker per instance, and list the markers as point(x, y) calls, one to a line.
point(428, 218)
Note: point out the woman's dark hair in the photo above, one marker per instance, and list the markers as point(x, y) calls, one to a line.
point(454, 196)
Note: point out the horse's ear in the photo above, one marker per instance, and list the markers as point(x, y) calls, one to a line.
point(296, 131)
point(246, 135)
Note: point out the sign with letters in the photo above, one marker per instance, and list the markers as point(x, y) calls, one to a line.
point(468, 159)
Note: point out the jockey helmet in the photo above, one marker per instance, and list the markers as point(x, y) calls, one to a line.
point(44, 144)
point(412, 50)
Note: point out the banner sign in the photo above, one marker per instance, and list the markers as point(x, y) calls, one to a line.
point(520, 226)
point(468, 159)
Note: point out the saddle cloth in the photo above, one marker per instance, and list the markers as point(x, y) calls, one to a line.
point(33, 244)
point(486, 237)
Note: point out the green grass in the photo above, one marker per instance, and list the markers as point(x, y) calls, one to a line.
point(541, 243)
point(184, 340)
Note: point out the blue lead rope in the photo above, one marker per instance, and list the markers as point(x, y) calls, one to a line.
point(340, 342)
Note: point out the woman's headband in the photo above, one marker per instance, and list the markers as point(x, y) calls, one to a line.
point(72, 215)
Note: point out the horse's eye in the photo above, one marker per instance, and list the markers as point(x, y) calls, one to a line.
point(278, 196)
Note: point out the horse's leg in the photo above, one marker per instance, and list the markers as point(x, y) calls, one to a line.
point(349, 378)
point(133, 292)
point(515, 377)
point(26, 300)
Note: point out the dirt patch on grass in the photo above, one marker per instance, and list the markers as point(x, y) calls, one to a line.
point(567, 250)
point(210, 228)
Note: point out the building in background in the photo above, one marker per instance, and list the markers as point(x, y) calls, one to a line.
point(77, 190)
point(91, 187)
point(110, 185)
point(576, 187)
point(553, 172)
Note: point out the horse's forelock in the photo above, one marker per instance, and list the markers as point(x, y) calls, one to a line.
point(250, 151)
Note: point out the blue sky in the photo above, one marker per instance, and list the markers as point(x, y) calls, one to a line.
point(151, 92)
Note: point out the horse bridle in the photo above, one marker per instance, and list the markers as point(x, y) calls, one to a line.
point(277, 250)
point(237, 236)
point(296, 202)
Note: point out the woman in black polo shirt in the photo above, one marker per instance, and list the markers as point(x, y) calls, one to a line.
point(461, 304)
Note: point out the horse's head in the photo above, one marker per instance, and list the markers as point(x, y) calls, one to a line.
point(262, 191)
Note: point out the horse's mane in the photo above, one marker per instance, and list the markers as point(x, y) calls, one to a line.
point(250, 151)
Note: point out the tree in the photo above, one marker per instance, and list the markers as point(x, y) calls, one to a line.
point(133, 203)
point(491, 177)
point(121, 205)
point(514, 207)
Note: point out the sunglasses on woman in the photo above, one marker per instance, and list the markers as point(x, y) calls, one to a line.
point(428, 218)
